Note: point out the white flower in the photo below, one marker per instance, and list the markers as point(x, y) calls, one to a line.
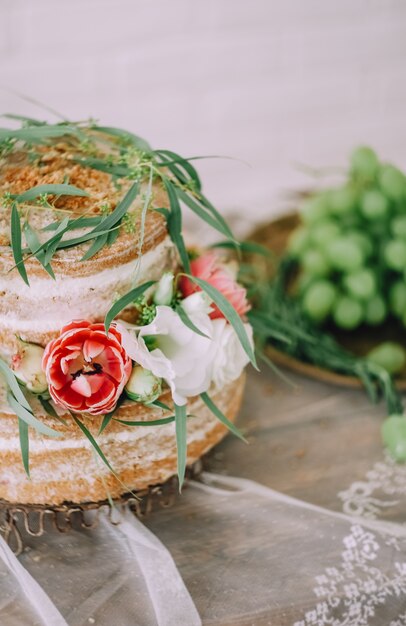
point(183, 358)
point(197, 303)
point(164, 289)
point(230, 358)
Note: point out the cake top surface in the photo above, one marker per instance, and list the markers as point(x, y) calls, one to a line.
point(64, 181)
point(76, 191)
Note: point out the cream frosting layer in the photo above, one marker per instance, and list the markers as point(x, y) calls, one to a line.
point(67, 469)
point(46, 305)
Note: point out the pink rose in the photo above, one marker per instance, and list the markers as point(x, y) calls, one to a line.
point(86, 369)
point(209, 268)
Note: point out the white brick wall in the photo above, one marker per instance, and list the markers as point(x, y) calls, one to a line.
point(271, 82)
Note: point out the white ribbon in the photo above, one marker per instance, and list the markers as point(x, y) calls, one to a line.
point(35, 595)
point(170, 599)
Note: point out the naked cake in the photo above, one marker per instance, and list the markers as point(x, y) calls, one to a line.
point(121, 352)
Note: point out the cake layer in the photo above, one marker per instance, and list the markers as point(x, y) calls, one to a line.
point(142, 250)
point(37, 312)
point(67, 469)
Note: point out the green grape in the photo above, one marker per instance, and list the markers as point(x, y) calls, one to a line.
point(361, 284)
point(324, 232)
point(374, 204)
point(392, 182)
point(304, 281)
point(298, 241)
point(363, 242)
point(345, 254)
point(341, 201)
point(313, 209)
point(394, 436)
point(375, 310)
point(398, 226)
point(397, 298)
point(314, 262)
point(389, 355)
point(395, 254)
point(348, 313)
point(364, 162)
point(318, 300)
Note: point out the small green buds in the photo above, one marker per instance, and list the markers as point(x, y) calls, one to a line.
point(143, 386)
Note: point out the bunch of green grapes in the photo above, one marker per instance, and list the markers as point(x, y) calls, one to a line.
point(351, 247)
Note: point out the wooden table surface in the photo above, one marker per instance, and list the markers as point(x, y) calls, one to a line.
point(250, 556)
point(308, 440)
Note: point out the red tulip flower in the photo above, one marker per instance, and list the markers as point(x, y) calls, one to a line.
point(86, 368)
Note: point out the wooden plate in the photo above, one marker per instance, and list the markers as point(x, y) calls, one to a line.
point(274, 235)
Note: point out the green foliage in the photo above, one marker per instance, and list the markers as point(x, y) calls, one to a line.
point(128, 156)
point(124, 301)
point(181, 441)
point(220, 416)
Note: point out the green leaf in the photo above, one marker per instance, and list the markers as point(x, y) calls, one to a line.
point(163, 211)
point(51, 245)
point(245, 246)
point(97, 245)
point(16, 243)
point(27, 416)
point(136, 141)
point(220, 415)
point(106, 421)
point(124, 301)
point(190, 172)
point(80, 222)
point(217, 215)
point(181, 441)
point(112, 236)
point(69, 243)
point(230, 314)
point(174, 223)
point(49, 410)
point(54, 190)
point(159, 422)
point(24, 445)
point(159, 405)
point(35, 134)
point(140, 244)
point(22, 118)
point(209, 215)
point(33, 244)
point(266, 327)
point(120, 210)
point(12, 383)
point(188, 322)
point(94, 443)
point(100, 452)
point(121, 171)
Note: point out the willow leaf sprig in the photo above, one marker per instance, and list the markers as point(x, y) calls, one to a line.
point(129, 157)
point(26, 418)
point(54, 190)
